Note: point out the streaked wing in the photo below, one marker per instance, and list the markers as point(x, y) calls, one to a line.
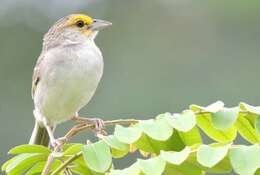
point(36, 74)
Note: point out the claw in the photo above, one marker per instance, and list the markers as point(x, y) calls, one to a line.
point(99, 123)
point(99, 126)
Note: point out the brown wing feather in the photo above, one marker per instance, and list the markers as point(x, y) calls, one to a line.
point(48, 38)
point(36, 75)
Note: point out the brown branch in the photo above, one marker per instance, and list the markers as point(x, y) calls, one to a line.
point(72, 132)
point(47, 166)
point(84, 126)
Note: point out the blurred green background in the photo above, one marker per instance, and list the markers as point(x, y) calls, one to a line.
point(160, 56)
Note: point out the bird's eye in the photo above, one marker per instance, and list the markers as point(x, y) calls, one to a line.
point(80, 23)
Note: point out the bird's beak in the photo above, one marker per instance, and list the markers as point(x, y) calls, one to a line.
point(99, 25)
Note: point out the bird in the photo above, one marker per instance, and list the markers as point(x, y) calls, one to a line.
point(66, 75)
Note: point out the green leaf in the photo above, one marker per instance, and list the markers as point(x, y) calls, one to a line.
point(29, 149)
point(205, 123)
point(191, 137)
point(153, 128)
point(97, 156)
point(175, 157)
point(245, 159)
point(82, 169)
point(132, 170)
point(118, 149)
point(38, 167)
point(118, 153)
point(246, 130)
point(182, 122)
point(222, 166)
point(213, 108)
point(67, 145)
point(153, 166)
point(79, 166)
point(257, 124)
point(128, 134)
point(3, 167)
point(249, 108)
point(149, 145)
point(225, 118)
point(113, 142)
point(185, 168)
point(23, 162)
point(73, 149)
point(175, 142)
point(209, 156)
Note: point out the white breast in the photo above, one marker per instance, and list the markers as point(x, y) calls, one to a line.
point(69, 80)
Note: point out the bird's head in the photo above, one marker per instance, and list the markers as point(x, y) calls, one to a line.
point(74, 28)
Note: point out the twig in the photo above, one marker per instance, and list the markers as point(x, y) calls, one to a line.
point(78, 128)
point(67, 162)
point(73, 131)
point(47, 166)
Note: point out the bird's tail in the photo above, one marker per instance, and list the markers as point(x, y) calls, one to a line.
point(39, 135)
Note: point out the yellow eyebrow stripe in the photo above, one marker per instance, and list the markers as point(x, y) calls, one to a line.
point(76, 17)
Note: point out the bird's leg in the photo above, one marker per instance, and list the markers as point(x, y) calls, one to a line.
point(50, 133)
point(54, 142)
point(48, 126)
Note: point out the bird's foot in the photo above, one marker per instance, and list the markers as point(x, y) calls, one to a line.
point(97, 122)
point(99, 127)
point(58, 143)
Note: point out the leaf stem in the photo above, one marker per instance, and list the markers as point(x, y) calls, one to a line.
point(66, 163)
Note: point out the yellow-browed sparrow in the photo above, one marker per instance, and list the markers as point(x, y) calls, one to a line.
point(66, 74)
